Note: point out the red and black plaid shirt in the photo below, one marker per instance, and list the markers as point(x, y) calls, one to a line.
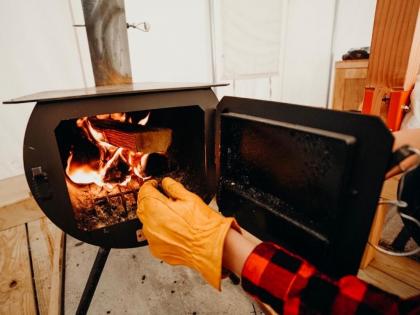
point(290, 285)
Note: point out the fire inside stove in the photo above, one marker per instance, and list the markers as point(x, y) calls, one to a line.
point(106, 158)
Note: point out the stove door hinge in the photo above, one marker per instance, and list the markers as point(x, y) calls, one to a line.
point(41, 189)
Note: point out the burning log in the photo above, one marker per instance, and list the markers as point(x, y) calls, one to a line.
point(95, 207)
point(156, 164)
point(103, 191)
point(137, 138)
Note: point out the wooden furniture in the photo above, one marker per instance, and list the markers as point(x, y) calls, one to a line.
point(349, 84)
point(394, 60)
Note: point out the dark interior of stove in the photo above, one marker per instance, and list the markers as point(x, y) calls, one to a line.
point(297, 175)
point(106, 158)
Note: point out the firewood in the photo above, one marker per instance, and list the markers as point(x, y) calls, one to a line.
point(135, 137)
point(156, 164)
point(95, 207)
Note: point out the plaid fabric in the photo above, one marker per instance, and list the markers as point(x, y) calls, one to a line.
point(290, 285)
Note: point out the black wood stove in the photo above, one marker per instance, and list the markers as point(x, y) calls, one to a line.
point(306, 178)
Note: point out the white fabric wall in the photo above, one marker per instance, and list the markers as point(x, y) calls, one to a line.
point(251, 37)
point(307, 52)
point(312, 40)
point(38, 52)
point(304, 58)
point(177, 48)
point(354, 26)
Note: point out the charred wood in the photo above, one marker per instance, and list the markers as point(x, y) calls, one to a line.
point(135, 137)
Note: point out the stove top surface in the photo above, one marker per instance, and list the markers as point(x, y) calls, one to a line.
point(110, 90)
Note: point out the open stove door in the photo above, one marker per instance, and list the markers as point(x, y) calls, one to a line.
point(306, 178)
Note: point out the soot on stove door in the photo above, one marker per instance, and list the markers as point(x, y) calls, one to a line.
point(106, 158)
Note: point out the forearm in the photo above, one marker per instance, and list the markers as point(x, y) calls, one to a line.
point(280, 283)
point(409, 137)
point(235, 251)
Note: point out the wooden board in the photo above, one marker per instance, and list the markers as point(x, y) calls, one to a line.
point(13, 189)
point(395, 49)
point(379, 105)
point(137, 138)
point(374, 236)
point(352, 64)
point(19, 213)
point(16, 291)
point(349, 84)
point(390, 187)
point(389, 191)
point(47, 246)
point(387, 283)
point(353, 94)
point(402, 268)
point(57, 286)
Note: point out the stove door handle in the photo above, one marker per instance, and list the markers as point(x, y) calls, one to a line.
point(40, 184)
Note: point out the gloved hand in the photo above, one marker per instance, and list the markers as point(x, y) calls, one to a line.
point(182, 230)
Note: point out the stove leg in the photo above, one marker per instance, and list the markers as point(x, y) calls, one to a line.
point(92, 282)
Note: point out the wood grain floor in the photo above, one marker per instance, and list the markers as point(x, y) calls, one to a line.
point(31, 248)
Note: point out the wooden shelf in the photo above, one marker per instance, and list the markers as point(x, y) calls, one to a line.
point(349, 84)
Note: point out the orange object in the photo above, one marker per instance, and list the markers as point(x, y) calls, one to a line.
point(394, 60)
point(182, 230)
point(367, 101)
point(395, 114)
point(396, 108)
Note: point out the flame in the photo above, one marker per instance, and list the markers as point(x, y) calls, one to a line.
point(106, 171)
point(115, 116)
point(144, 121)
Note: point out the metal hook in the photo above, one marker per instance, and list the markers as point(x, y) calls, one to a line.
point(142, 26)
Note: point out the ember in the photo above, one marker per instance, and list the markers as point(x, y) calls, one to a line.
point(103, 185)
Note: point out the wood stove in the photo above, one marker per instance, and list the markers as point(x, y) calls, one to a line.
point(304, 177)
point(83, 164)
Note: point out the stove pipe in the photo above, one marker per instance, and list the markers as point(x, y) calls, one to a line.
point(106, 29)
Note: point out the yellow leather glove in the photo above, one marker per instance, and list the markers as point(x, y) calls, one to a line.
point(182, 230)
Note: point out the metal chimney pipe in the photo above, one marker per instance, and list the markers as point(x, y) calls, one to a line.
point(106, 29)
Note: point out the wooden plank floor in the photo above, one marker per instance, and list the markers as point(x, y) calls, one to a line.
point(16, 291)
point(47, 244)
point(397, 275)
point(31, 248)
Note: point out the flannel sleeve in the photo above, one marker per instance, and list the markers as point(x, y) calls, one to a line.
point(290, 285)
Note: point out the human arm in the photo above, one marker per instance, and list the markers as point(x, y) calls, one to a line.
point(410, 137)
point(182, 230)
point(290, 285)
point(236, 250)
